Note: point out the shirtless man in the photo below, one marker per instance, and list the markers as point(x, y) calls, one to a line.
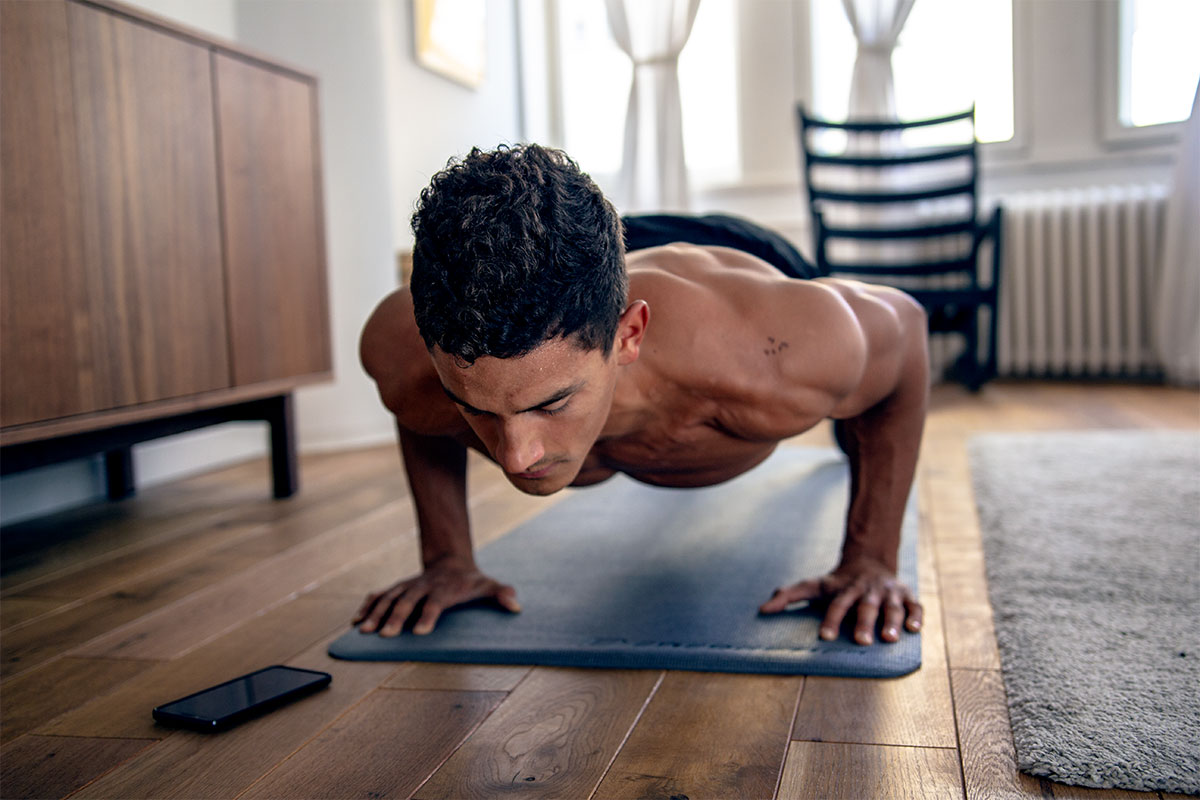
point(531, 336)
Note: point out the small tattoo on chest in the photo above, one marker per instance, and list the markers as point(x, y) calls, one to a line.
point(774, 347)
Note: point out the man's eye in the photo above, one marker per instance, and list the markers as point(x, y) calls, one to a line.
point(474, 412)
point(551, 410)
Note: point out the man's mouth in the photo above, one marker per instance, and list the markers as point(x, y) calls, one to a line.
point(532, 475)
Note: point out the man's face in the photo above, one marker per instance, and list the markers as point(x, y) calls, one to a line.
point(537, 414)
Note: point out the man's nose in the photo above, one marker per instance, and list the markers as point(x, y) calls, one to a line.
point(519, 447)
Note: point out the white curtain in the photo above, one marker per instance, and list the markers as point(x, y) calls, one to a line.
point(877, 25)
point(1177, 326)
point(652, 33)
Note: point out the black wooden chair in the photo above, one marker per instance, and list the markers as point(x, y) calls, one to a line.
point(890, 211)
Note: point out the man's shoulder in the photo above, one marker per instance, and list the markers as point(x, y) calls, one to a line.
point(773, 354)
point(394, 355)
point(389, 335)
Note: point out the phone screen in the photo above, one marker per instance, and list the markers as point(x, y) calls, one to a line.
point(239, 697)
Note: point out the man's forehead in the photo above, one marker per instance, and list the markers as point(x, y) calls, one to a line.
point(554, 369)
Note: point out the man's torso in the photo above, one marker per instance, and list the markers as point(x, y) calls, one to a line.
point(736, 358)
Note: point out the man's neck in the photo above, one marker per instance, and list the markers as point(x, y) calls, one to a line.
point(632, 404)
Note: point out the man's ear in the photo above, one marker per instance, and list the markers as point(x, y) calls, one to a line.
point(630, 330)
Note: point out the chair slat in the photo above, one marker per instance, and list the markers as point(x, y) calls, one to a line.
point(882, 126)
point(938, 267)
point(877, 197)
point(922, 157)
point(914, 232)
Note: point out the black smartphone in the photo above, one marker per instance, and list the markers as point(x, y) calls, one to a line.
point(226, 704)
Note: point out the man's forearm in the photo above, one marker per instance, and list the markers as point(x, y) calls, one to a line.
point(883, 444)
point(437, 477)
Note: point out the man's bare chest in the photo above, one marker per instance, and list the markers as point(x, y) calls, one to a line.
point(676, 455)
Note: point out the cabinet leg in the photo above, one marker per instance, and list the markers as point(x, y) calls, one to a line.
point(284, 474)
point(118, 470)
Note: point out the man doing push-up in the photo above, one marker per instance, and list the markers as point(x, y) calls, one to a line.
point(533, 334)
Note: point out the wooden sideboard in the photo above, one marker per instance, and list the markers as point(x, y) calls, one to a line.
point(162, 264)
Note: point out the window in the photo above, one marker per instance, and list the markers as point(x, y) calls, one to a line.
point(950, 55)
point(1159, 61)
point(595, 78)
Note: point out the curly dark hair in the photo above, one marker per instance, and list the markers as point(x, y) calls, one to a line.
point(514, 247)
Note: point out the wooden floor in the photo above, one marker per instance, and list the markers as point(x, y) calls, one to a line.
point(113, 609)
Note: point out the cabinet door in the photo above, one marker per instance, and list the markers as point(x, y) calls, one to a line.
point(274, 240)
point(46, 360)
point(152, 243)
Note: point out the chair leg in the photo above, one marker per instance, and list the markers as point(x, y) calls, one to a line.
point(993, 327)
point(968, 369)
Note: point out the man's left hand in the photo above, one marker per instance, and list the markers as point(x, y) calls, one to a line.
point(865, 584)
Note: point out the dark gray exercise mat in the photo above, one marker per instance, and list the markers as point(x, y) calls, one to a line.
point(627, 575)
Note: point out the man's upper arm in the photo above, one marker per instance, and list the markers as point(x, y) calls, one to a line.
point(393, 354)
point(893, 327)
point(833, 357)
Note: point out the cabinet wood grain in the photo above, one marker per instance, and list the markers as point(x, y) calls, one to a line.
point(274, 236)
point(44, 342)
point(163, 239)
point(151, 222)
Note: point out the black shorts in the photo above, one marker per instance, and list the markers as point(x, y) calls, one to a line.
point(717, 230)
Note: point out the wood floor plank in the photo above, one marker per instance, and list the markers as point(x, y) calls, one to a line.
point(988, 758)
point(554, 736)
point(839, 771)
point(496, 508)
point(174, 630)
point(971, 637)
point(182, 765)
point(278, 529)
point(234, 549)
point(91, 535)
point(456, 677)
point(55, 766)
point(372, 527)
point(19, 610)
point(28, 646)
point(386, 746)
point(75, 625)
point(707, 735)
point(272, 638)
point(106, 575)
point(33, 699)
point(915, 710)
point(94, 533)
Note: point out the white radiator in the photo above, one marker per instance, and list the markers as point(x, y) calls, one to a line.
point(1077, 282)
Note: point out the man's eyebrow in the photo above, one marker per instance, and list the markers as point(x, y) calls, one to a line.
point(554, 398)
point(459, 400)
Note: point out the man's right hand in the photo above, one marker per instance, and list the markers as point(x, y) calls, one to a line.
point(445, 583)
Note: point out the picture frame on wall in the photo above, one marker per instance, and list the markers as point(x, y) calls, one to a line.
point(451, 39)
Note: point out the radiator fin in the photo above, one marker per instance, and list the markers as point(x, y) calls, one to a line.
point(1079, 272)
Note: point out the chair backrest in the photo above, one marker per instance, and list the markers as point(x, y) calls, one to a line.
point(886, 206)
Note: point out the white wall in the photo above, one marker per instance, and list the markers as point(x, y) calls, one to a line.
point(432, 118)
point(343, 44)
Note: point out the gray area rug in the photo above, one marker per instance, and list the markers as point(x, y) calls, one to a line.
point(1092, 545)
